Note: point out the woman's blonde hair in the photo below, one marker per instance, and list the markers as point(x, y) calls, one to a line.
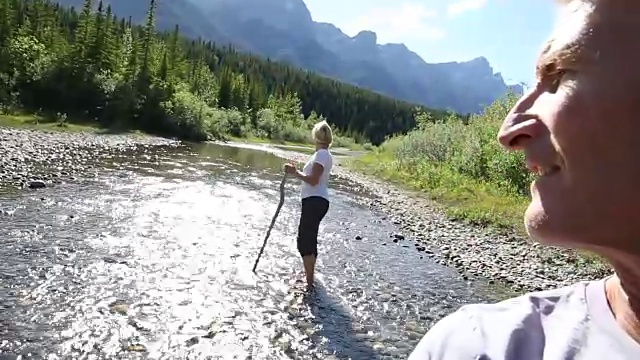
point(321, 133)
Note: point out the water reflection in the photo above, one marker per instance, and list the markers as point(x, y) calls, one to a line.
point(248, 160)
point(152, 258)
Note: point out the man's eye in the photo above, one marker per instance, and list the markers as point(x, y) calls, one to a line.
point(555, 79)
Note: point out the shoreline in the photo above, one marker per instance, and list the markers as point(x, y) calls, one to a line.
point(476, 252)
point(35, 158)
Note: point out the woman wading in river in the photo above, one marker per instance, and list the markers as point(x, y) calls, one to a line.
point(314, 195)
point(578, 129)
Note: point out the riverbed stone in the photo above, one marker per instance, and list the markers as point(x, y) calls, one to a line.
point(37, 184)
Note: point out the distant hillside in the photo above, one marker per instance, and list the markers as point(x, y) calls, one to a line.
point(284, 30)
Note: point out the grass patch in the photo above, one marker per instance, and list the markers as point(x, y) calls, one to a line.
point(62, 124)
point(40, 123)
point(461, 197)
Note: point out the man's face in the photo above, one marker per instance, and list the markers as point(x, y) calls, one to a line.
point(579, 129)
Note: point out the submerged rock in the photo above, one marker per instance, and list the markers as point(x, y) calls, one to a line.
point(37, 184)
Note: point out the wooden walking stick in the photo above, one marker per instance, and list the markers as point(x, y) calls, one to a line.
point(273, 221)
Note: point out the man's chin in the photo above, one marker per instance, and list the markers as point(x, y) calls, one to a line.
point(537, 224)
point(562, 223)
point(540, 230)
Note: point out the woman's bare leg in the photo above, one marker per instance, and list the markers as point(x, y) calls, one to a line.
point(309, 262)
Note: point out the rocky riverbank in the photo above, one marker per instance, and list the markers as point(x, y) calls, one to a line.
point(37, 159)
point(474, 251)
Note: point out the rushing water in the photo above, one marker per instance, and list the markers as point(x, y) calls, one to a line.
point(152, 259)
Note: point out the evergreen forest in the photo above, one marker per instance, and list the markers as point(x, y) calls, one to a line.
point(91, 65)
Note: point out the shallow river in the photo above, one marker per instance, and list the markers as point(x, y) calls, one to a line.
point(152, 259)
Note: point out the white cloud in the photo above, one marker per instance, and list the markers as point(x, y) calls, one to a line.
point(463, 6)
point(397, 23)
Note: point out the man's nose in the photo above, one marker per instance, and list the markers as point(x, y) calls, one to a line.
point(521, 125)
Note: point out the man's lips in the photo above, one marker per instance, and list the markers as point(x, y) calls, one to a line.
point(543, 170)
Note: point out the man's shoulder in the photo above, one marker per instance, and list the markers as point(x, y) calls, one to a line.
point(474, 328)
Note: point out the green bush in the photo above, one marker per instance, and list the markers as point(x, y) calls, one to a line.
point(459, 163)
point(469, 148)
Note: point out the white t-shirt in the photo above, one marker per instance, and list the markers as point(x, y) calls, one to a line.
point(569, 323)
point(324, 158)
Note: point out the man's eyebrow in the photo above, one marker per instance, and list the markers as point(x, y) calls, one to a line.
point(552, 58)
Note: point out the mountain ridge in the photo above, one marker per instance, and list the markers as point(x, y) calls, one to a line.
point(284, 30)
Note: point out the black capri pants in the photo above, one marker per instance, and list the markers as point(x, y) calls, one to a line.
point(314, 208)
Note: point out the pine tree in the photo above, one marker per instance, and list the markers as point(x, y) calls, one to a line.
point(84, 33)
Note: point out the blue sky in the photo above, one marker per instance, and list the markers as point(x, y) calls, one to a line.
point(509, 33)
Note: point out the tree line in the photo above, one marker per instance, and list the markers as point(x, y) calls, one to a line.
point(93, 65)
